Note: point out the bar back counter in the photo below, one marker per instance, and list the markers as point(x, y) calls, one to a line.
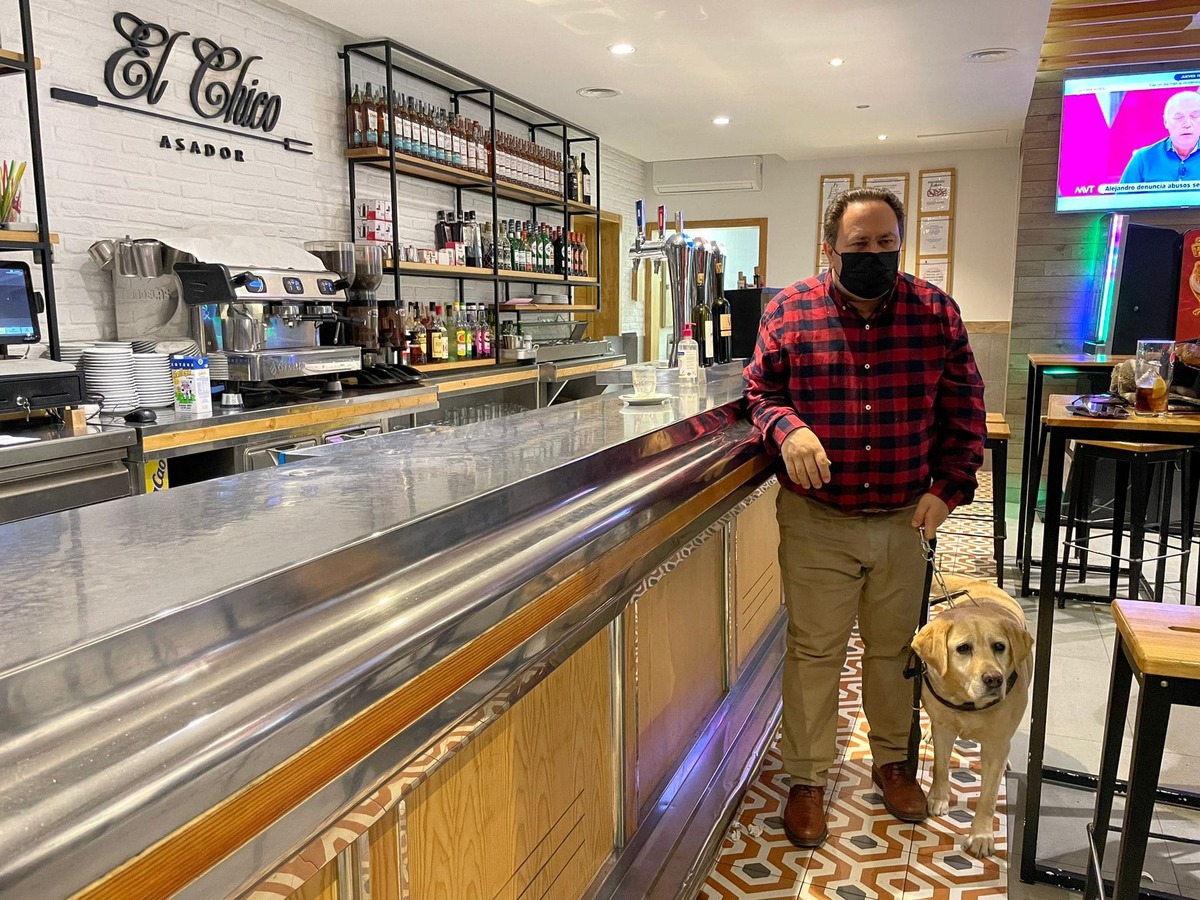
point(531, 657)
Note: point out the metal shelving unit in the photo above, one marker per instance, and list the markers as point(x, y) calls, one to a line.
point(41, 242)
point(490, 101)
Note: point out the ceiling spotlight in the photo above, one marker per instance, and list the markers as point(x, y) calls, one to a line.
point(597, 93)
point(721, 120)
point(990, 55)
point(881, 137)
point(621, 49)
point(863, 106)
point(836, 61)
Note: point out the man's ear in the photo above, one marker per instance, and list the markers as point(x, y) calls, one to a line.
point(930, 645)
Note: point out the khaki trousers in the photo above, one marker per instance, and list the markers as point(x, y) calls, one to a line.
point(837, 567)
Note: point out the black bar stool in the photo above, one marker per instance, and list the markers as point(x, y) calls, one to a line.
point(1136, 467)
point(1160, 645)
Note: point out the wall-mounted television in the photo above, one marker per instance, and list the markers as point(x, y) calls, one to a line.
point(1130, 142)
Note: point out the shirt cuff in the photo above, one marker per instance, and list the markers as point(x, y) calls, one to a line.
point(785, 425)
point(952, 494)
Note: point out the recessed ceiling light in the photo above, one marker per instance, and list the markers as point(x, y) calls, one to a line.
point(597, 93)
point(881, 137)
point(621, 49)
point(990, 55)
point(836, 61)
point(721, 120)
point(863, 106)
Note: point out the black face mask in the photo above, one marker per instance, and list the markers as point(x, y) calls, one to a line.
point(869, 275)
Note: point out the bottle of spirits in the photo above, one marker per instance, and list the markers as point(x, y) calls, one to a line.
point(687, 352)
point(758, 282)
point(583, 256)
point(557, 245)
point(702, 331)
point(438, 348)
point(488, 246)
point(441, 232)
point(451, 326)
point(383, 128)
point(417, 342)
point(354, 120)
point(585, 176)
point(461, 332)
point(399, 128)
point(572, 179)
point(722, 320)
point(370, 118)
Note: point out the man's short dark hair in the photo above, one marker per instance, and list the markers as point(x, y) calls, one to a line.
point(837, 209)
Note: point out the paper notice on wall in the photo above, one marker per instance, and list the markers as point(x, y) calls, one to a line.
point(935, 236)
point(936, 191)
point(935, 271)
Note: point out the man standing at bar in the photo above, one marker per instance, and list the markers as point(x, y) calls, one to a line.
point(864, 383)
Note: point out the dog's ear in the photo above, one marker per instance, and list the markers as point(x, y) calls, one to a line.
point(1020, 640)
point(930, 645)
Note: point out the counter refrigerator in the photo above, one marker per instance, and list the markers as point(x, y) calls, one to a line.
point(531, 656)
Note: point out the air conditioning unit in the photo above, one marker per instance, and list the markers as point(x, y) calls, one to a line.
point(707, 176)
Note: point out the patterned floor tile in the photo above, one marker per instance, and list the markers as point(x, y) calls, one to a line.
point(869, 854)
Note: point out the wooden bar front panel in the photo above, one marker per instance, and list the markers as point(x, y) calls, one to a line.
point(757, 595)
point(526, 810)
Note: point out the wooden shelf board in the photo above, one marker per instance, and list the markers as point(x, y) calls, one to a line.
point(13, 56)
point(435, 270)
point(546, 307)
point(23, 237)
point(452, 366)
point(546, 277)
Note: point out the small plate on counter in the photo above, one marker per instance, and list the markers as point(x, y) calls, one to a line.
point(647, 400)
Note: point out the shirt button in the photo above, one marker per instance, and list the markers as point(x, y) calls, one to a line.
point(867, 327)
point(866, 365)
point(868, 446)
point(866, 484)
point(868, 407)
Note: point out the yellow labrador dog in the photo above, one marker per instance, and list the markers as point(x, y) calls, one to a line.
point(978, 668)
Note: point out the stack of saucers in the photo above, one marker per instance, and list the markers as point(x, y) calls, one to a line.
point(109, 372)
point(177, 347)
point(218, 366)
point(143, 345)
point(72, 351)
point(152, 375)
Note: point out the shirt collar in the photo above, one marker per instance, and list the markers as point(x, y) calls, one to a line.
point(1174, 154)
point(843, 304)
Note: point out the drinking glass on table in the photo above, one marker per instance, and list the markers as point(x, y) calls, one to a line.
point(1152, 368)
point(645, 379)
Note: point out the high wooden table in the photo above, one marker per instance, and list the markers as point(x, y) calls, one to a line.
point(1061, 426)
point(1042, 365)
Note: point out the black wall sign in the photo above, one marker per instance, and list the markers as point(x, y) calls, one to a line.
point(221, 86)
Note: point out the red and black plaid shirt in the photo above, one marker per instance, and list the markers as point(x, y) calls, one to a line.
point(896, 400)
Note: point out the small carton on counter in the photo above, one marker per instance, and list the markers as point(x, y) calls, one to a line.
point(193, 394)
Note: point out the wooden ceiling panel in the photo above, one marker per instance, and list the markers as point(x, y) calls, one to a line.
point(1085, 33)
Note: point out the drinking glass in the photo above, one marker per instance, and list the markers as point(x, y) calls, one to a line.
point(645, 379)
point(1152, 367)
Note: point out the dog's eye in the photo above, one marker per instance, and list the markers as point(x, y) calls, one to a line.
point(998, 647)
point(963, 648)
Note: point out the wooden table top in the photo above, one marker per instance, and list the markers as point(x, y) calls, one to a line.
point(1163, 639)
point(1075, 359)
point(1175, 423)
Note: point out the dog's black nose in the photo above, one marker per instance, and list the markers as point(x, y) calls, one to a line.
point(993, 680)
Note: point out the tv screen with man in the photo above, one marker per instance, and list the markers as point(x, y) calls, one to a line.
point(1130, 142)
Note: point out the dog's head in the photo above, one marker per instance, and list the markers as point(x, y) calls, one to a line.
point(973, 649)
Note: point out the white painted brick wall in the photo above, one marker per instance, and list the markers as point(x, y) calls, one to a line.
point(107, 177)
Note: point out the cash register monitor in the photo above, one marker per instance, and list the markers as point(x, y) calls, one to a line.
point(18, 308)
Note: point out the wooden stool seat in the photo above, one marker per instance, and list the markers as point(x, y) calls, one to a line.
point(1131, 447)
point(1163, 640)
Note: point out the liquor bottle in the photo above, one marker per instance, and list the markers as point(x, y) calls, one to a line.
point(687, 352)
point(586, 177)
point(758, 282)
point(488, 246)
point(426, 135)
point(354, 120)
point(461, 332)
point(441, 232)
point(370, 118)
point(457, 150)
point(741, 282)
point(572, 179)
point(397, 122)
point(518, 252)
point(417, 343)
point(383, 128)
point(557, 245)
point(702, 330)
point(722, 316)
point(485, 331)
point(451, 326)
point(438, 348)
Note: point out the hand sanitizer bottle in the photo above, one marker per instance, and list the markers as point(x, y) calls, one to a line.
point(688, 355)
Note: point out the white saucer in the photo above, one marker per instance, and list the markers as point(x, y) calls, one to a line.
point(648, 400)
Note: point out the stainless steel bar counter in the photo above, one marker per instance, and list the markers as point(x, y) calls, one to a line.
point(195, 684)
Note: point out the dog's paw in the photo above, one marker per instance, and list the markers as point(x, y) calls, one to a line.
point(938, 804)
point(980, 845)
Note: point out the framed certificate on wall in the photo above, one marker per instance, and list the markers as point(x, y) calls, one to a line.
point(831, 187)
point(897, 185)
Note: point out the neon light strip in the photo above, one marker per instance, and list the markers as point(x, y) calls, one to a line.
point(1116, 231)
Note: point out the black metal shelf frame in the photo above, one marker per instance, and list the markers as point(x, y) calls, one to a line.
point(395, 57)
point(42, 249)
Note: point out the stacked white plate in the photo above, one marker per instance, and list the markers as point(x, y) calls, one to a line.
point(143, 345)
point(177, 347)
point(72, 351)
point(152, 375)
point(218, 366)
point(109, 372)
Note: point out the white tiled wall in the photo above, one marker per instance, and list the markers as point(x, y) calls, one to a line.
point(108, 177)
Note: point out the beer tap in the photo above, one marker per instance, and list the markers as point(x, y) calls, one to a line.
point(644, 249)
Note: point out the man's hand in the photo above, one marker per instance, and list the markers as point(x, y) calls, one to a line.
point(805, 459)
point(931, 513)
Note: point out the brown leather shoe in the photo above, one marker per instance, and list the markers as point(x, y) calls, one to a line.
point(902, 795)
point(804, 816)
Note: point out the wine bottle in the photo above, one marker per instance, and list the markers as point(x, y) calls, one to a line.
point(722, 315)
point(572, 179)
point(702, 325)
point(354, 120)
point(586, 176)
point(370, 118)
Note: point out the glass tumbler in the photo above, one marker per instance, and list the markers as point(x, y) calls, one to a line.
point(1152, 368)
point(645, 379)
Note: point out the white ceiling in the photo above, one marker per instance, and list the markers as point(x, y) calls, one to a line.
point(764, 63)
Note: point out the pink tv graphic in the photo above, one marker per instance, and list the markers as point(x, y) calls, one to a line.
point(1130, 142)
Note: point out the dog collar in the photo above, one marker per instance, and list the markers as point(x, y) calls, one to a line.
point(968, 707)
